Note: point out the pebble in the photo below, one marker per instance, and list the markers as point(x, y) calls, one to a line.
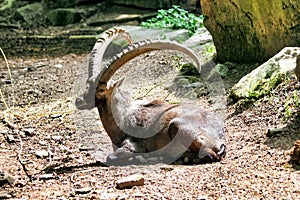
point(5, 131)
point(55, 116)
point(46, 176)
point(5, 178)
point(10, 138)
point(29, 131)
point(83, 190)
point(86, 148)
point(202, 198)
point(274, 131)
point(130, 181)
point(43, 143)
point(42, 154)
point(57, 137)
point(58, 66)
point(32, 68)
point(4, 194)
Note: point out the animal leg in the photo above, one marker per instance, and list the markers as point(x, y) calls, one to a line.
point(197, 143)
point(126, 154)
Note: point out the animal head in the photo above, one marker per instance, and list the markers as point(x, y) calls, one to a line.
point(105, 90)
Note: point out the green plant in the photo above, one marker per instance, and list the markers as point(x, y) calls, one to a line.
point(175, 18)
point(291, 103)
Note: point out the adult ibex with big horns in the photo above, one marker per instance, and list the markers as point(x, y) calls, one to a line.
point(141, 129)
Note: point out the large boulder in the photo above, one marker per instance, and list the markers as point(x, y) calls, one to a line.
point(68, 3)
point(6, 4)
point(65, 16)
point(251, 31)
point(152, 4)
point(264, 78)
point(30, 13)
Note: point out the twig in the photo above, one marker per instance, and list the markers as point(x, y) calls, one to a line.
point(3, 100)
point(20, 160)
point(10, 76)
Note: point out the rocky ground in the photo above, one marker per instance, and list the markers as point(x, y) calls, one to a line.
point(49, 150)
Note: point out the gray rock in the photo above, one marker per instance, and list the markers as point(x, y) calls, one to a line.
point(267, 76)
point(57, 137)
point(42, 154)
point(297, 68)
point(46, 176)
point(219, 69)
point(275, 131)
point(6, 5)
point(4, 131)
point(58, 66)
point(30, 12)
point(152, 4)
point(10, 138)
point(29, 131)
point(85, 190)
point(54, 116)
point(6, 178)
point(138, 33)
point(130, 181)
point(64, 16)
point(243, 33)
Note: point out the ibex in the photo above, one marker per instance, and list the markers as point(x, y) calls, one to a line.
point(151, 128)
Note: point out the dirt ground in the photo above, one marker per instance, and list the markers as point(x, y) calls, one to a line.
point(48, 147)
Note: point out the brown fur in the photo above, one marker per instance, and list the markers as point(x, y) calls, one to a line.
point(131, 133)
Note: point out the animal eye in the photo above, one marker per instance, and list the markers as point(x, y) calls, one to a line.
point(101, 90)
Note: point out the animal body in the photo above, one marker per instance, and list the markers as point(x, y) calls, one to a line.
point(154, 128)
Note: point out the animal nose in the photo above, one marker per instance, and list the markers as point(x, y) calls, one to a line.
point(82, 104)
point(79, 103)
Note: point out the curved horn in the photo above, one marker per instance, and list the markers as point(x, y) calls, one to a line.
point(96, 56)
point(99, 48)
point(140, 48)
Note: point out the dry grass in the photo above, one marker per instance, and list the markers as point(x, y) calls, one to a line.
point(11, 115)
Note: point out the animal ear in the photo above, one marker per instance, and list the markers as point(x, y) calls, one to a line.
point(119, 82)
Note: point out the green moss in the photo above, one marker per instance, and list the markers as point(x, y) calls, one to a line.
point(7, 4)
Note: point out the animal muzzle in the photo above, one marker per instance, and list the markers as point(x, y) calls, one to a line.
point(82, 104)
point(207, 155)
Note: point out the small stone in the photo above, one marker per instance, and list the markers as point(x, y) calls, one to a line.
point(5, 178)
point(4, 131)
point(186, 159)
point(295, 153)
point(32, 68)
point(4, 194)
point(297, 68)
point(43, 143)
point(29, 131)
point(202, 198)
point(10, 138)
point(130, 181)
point(46, 177)
point(58, 66)
point(42, 154)
point(274, 131)
point(85, 190)
point(55, 116)
point(87, 148)
point(57, 138)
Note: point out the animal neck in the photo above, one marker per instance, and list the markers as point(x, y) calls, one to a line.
point(108, 109)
